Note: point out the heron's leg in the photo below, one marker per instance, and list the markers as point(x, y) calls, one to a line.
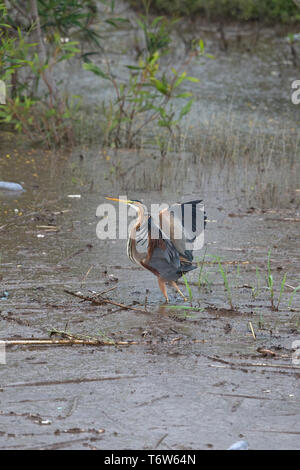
point(178, 290)
point(163, 288)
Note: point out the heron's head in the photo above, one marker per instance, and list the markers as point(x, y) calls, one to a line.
point(137, 205)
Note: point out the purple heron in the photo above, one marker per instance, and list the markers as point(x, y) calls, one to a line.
point(171, 240)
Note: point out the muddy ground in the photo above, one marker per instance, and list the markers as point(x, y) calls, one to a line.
point(197, 379)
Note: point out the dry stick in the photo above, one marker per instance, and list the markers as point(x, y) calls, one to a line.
point(105, 292)
point(290, 287)
point(160, 440)
point(66, 342)
point(250, 364)
point(86, 275)
point(105, 301)
point(285, 219)
point(275, 366)
point(252, 330)
point(71, 342)
point(224, 262)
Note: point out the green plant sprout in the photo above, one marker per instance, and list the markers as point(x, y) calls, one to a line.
point(270, 285)
point(292, 296)
point(188, 288)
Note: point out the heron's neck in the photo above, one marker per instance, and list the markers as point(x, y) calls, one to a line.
point(132, 252)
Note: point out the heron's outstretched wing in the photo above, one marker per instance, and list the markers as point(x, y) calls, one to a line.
point(185, 223)
point(157, 239)
point(161, 254)
point(163, 258)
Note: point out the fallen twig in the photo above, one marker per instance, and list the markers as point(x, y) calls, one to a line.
point(105, 292)
point(48, 228)
point(86, 275)
point(222, 262)
point(72, 340)
point(285, 219)
point(252, 330)
point(66, 342)
point(102, 300)
point(251, 364)
point(160, 440)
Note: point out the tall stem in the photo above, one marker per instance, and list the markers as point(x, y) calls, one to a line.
point(46, 74)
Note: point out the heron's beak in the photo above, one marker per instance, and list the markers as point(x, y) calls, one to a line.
point(119, 200)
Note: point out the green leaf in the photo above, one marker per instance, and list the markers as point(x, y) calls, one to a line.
point(160, 86)
point(292, 296)
point(179, 81)
point(95, 69)
point(188, 287)
point(156, 20)
point(134, 67)
point(141, 24)
point(115, 22)
point(184, 95)
point(162, 112)
point(192, 79)
point(186, 109)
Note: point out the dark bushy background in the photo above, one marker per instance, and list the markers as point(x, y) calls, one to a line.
point(268, 11)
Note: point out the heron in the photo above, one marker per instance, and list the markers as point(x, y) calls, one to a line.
point(170, 240)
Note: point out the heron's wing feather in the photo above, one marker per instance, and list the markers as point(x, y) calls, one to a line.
point(162, 257)
point(185, 224)
point(150, 231)
point(159, 239)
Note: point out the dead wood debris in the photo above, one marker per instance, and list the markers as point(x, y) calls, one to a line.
point(98, 299)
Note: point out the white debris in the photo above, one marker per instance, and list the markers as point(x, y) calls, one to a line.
point(239, 445)
point(11, 186)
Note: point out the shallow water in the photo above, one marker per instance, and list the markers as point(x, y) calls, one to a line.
point(253, 78)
